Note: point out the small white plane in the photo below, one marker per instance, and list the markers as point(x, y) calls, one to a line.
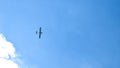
point(39, 32)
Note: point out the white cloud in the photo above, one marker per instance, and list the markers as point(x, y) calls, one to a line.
point(4, 63)
point(7, 54)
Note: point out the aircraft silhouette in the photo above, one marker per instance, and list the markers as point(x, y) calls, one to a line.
point(39, 32)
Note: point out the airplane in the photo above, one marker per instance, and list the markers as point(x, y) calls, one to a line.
point(39, 32)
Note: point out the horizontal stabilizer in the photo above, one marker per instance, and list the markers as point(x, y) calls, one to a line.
point(36, 32)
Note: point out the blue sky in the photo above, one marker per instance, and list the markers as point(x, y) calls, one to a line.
point(76, 33)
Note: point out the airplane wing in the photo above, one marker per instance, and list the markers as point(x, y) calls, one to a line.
point(39, 35)
point(40, 32)
point(40, 29)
